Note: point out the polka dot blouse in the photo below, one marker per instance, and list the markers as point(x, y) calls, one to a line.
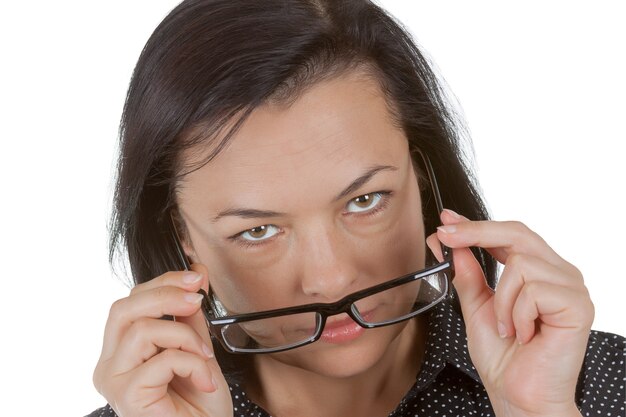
point(448, 384)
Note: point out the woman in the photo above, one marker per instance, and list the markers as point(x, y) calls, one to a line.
point(297, 153)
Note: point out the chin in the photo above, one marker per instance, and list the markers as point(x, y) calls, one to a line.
point(348, 358)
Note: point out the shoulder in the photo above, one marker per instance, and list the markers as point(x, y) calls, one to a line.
point(243, 406)
point(105, 411)
point(606, 343)
point(604, 356)
point(601, 381)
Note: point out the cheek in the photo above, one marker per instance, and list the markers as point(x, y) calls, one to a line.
point(230, 275)
point(247, 282)
point(240, 288)
point(400, 249)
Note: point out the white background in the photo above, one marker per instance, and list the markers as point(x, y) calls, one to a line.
point(541, 85)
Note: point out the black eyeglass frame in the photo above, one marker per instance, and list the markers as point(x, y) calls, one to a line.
point(325, 310)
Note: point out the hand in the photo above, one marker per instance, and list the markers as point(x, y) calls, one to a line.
point(153, 367)
point(528, 339)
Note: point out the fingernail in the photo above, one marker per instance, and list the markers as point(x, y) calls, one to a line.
point(452, 213)
point(214, 382)
point(501, 329)
point(450, 228)
point(191, 277)
point(193, 298)
point(519, 339)
point(207, 351)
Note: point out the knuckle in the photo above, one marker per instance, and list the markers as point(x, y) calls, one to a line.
point(577, 274)
point(138, 330)
point(520, 229)
point(161, 293)
point(524, 236)
point(530, 289)
point(136, 289)
point(516, 261)
point(116, 312)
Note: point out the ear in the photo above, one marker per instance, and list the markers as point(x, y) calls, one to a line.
point(181, 234)
point(190, 252)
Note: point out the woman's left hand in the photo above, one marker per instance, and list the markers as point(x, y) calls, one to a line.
point(528, 339)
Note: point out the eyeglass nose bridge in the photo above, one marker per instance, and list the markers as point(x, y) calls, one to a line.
point(347, 306)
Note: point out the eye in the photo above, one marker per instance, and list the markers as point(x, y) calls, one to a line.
point(364, 202)
point(259, 233)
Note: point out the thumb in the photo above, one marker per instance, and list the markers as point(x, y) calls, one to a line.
point(197, 320)
point(202, 269)
point(469, 281)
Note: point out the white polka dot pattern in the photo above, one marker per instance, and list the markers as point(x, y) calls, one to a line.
point(449, 386)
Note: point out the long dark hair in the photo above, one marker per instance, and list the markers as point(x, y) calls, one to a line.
point(212, 62)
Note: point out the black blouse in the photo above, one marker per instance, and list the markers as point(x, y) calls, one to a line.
point(448, 384)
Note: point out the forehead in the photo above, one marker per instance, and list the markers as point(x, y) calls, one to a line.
point(334, 130)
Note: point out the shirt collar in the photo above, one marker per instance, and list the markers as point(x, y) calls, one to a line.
point(446, 345)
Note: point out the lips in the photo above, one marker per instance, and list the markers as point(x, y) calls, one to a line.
point(343, 331)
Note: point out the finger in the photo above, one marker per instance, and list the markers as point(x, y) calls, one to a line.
point(435, 246)
point(204, 271)
point(188, 280)
point(555, 306)
point(469, 282)
point(510, 237)
point(154, 303)
point(450, 217)
point(146, 337)
point(197, 320)
point(520, 270)
point(152, 378)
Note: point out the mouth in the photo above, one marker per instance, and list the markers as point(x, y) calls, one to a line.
point(344, 330)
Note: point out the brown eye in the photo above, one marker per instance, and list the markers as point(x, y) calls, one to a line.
point(364, 202)
point(260, 232)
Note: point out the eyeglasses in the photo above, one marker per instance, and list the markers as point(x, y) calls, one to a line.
point(381, 305)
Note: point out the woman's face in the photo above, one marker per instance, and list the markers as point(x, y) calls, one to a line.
point(309, 203)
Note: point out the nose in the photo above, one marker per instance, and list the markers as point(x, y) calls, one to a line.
point(328, 264)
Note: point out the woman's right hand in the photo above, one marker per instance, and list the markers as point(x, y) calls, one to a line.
point(154, 367)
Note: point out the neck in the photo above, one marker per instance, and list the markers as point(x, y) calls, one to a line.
point(284, 389)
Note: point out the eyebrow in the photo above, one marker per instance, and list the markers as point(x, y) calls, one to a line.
point(249, 213)
point(363, 179)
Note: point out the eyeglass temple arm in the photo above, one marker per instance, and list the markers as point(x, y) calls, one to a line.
point(179, 250)
point(437, 195)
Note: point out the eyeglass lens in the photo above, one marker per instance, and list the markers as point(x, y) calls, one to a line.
point(386, 307)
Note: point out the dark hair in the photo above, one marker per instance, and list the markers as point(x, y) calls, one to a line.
point(212, 62)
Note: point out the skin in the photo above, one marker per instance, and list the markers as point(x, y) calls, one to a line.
point(295, 161)
point(302, 158)
point(528, 339)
